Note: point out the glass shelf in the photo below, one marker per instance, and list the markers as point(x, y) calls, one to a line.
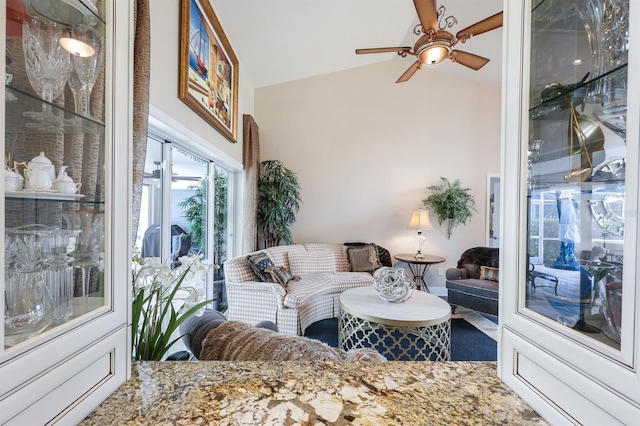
point(43, 195)
point(591, 91)
point(61, 120)
point(68, 12)
point(591, 115)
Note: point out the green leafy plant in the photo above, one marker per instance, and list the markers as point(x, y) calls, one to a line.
point(220, 214)
point(163, 298)
point(451, 202)
point(278, 202)
point(194, 210)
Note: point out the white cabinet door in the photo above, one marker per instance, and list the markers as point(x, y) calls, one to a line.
point(64, 294)
point(569, 294)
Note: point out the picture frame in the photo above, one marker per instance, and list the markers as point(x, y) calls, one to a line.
point(208, 75)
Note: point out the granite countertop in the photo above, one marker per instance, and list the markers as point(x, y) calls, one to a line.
point(308, 393)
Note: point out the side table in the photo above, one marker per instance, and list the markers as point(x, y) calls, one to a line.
point(416, 330)
point(419, 267)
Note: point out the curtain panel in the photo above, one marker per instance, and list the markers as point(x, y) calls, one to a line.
point(251, 165)
point(141, 70)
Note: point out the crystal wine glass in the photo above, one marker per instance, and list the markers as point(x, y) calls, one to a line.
point(85, 69)
point(47, 63)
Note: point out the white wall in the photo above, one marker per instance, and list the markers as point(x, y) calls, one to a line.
point(167, 107)
point(174, 119)
point(365, 149)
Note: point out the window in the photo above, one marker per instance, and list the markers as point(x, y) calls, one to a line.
point(186, 209)
point(544, 243)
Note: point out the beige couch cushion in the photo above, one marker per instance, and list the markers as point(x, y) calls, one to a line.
point(310, 262)
point(321, 283)
point(340, 252)
point(280, 254)
point(343, 281)
point(310, 285)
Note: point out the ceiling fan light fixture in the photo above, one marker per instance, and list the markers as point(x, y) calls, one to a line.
point(435, 52)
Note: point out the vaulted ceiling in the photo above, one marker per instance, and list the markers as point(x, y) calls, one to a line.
point(282, 40)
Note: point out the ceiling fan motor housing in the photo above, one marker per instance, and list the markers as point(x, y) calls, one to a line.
point(432, 48)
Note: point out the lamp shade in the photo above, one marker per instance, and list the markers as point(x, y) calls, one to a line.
point(420, 221)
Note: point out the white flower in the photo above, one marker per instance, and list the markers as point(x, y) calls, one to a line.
point(155, 286)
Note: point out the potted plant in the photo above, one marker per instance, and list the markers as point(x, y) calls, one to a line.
point(451, 202)
point(195, 211)
point(278, 202)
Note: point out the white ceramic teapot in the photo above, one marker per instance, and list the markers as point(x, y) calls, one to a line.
point(64, 184)
point(39, 173)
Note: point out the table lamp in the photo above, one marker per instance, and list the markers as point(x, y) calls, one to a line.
point(420, 222)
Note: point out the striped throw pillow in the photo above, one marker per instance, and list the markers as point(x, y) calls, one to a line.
point(488, 273)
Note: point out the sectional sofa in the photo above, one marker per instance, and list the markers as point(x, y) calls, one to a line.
point(321, 273)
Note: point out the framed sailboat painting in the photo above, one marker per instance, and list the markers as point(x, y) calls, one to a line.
point(208, 78)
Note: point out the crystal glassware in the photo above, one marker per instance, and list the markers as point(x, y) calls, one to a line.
point(89, 243)
point(28, 305)
point(59, 278)
point(47, 63)
point(85, 69)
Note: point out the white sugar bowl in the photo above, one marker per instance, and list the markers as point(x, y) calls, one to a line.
point(12, 181)
point(64, 184)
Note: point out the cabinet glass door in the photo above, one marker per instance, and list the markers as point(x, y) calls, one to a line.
point(576, 158)
point(54, 173)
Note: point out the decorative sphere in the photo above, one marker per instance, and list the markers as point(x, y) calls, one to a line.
point(393, 284)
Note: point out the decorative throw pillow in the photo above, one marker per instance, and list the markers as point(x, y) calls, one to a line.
point(488, 273)
point(259, 263)
point(280, 275)
point(312, 261)
point(363, 258)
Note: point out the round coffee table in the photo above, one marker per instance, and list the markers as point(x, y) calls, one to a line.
point(417, 330)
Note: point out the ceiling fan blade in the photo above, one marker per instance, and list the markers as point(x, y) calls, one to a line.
point(427, 14)
point(470, 60)
point(382, 50)
point(409, 72)
point(487, 24)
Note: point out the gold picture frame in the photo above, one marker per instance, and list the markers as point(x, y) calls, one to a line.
point(208, 78)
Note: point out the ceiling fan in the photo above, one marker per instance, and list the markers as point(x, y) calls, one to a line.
point(435, 45)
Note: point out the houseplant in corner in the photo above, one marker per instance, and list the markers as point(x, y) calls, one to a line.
point(451, 202)
point(278, 202)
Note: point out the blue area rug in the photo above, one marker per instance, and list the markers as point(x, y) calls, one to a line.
point(467, 342)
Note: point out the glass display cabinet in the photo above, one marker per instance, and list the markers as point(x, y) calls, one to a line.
point(570, 344)
point(64, 328)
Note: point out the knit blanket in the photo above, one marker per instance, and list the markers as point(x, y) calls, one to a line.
point(237, 341)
